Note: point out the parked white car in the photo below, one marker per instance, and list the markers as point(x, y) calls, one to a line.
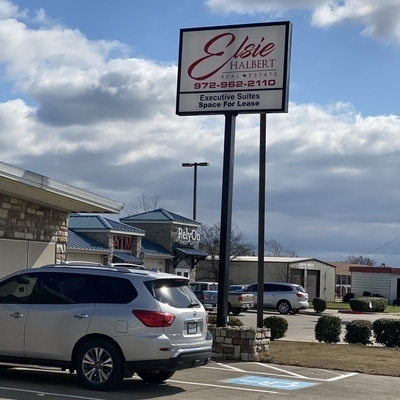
point(103, 322)
point(284, 297)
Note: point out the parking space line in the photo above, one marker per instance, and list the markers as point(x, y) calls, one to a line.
point(226, 387)
point(338, 378)
point(281, 370)
point(284, 373)
point(230, 367)
point(41, 393)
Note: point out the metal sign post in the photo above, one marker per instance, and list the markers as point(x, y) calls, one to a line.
point(231, 70)
point(226, 219)
point(261, 220)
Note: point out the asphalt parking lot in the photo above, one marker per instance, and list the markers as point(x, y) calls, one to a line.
point(233, 380)
point(218, 380)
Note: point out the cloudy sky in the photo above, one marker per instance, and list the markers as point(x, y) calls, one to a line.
point(88, 91)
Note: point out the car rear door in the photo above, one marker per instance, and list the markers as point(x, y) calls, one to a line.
point(61, 310)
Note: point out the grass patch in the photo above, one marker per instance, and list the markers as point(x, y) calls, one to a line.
point(343, 357)
point(337, 305)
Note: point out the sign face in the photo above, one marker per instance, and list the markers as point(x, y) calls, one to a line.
point(234, 69)
point(187, 236)
point(122, 242)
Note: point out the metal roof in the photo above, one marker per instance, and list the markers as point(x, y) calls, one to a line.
point(127, 257)
point(79, 241)
point(98, 222)
point(159, 215)
point(191, 251)
point(152, 249)
point(20, 183)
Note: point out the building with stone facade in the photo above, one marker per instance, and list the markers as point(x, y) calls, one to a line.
point(34, 217)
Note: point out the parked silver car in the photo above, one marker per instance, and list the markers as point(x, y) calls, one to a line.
point(284, 297)
point(105, 323)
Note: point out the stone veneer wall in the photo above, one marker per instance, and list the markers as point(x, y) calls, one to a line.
point(21, 219)
point(239, 343)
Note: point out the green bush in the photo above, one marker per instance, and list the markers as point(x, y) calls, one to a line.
point(328, 329)
point(319, 304)
point(232, 321)
point(347, 297)
point(358, 331)
point(374, 304)
point(387, 332)
point(278, 326)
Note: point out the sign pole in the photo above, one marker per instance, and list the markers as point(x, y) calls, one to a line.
point(226, 219)
point(261, 220)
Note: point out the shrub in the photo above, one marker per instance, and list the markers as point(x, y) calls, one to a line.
point(347, 297)
point(374, 304)
point(387, 332)
point(319, 304)
point(358, 331)
point(232, 321)
point(278, 326)
point(235, 321)
point(328, 329)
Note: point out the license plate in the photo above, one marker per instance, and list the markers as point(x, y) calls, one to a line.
point(191, 328)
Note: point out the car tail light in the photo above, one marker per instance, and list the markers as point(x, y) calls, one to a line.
point(154, 319)
point(240, 298)
point(207, 317)
point(302, 295)
point(202, 297)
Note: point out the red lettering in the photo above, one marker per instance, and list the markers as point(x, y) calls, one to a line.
point(216, 49)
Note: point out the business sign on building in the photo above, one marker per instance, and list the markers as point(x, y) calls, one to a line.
point(238, 69)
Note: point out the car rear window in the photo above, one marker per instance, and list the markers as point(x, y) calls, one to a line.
point(300, 289)
point(174, 292)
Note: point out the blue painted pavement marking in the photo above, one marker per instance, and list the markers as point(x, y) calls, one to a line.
point(274, 383)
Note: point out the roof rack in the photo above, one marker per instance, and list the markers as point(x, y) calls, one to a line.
point(80, 264)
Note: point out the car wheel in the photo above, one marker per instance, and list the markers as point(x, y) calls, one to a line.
point(284, 307)
point(155, 376)
point(236, 311)
point(99, 365)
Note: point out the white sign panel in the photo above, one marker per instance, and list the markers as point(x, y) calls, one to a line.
point(237, 69)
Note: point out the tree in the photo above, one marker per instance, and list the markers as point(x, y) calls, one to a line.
point(210, 242)
point(360, 260)
point(144, 204)
point(275, 249)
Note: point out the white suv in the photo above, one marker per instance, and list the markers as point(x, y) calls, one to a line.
point(284, 297)
point(105, 323)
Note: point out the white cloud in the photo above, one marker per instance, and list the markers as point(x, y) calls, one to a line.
point(381, 19)
point(106, 122)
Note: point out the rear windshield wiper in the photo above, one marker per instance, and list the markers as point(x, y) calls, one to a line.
point(191, 305)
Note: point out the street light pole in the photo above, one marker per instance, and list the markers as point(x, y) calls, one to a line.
point(195, 165)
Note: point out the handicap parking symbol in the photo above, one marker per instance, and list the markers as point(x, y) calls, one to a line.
point(270, 383)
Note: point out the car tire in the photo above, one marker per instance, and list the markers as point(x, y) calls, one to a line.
point(284, 307)
point(236, 311)
point(99, 365)
point(155, 376)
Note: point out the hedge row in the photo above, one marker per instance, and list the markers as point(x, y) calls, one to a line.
point(385, 330)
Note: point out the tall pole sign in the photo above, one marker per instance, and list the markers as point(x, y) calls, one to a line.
point(231, 70)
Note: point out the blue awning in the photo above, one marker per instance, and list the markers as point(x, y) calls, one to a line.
point(190, 252)
point(121, 256)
